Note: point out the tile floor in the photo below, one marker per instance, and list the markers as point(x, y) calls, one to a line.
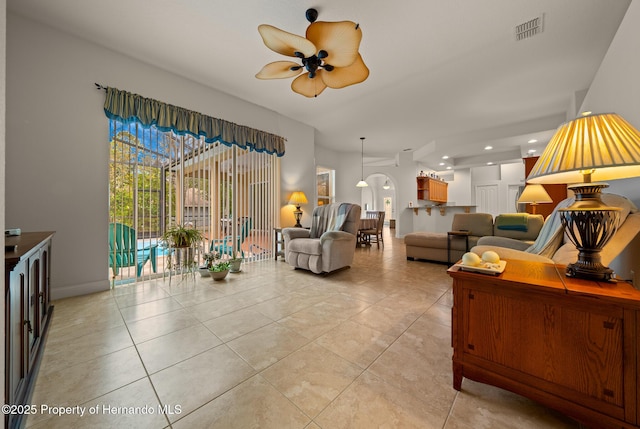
point(271, 347)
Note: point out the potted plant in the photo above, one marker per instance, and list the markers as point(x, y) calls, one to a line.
point(219, 270)
point(208, 259)
point(235, 262)
point(183, 239)
point(179, 236)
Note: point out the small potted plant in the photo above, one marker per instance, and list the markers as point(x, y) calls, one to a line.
point(219, 270)
point(235, 262)
point(208, 259)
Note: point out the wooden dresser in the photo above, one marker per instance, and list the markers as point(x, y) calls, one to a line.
point(27, 314)
point(567, 343)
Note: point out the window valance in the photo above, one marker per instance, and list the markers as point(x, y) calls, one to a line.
point(125, 106)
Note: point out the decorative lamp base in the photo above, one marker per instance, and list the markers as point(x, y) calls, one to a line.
point(297, 214)
point(589, 224)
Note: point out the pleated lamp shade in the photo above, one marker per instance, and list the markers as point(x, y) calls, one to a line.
point(605, 146)
point(535, 194)
point(297, 198)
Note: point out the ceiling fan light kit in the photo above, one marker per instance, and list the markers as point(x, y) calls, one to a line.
point(328, 55)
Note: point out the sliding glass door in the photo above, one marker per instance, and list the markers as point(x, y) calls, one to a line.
point(159, 179)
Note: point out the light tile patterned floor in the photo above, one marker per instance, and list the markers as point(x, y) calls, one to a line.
point(272, 347)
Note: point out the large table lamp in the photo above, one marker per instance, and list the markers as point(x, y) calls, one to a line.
point(584, 152)
point(534, 195)
point(297, 198)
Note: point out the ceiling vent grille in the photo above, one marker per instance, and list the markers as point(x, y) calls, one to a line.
point(530, 28)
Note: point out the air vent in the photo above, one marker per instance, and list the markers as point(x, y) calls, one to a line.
point(530, 28)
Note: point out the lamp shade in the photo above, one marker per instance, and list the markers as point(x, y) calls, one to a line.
point(297, 198)
point(534, 194)
point(605, 146)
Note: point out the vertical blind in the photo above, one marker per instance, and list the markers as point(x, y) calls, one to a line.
point(160, 178)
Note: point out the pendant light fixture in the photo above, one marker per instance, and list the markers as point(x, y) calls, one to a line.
point(362, 183)
point(386, 184)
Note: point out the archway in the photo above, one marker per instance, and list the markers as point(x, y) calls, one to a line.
point(380, 195)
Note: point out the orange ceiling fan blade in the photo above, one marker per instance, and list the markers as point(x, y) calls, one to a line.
point(341, 40)
point(279, 70)
point(285, 43)
point(345, 76)
point(303, 85)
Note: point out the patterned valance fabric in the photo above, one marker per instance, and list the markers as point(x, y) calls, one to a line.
point(125, 106)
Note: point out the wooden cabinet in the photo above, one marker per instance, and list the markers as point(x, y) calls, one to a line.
point(570, 344)
point(27, 312)
point(431, 189)
point(557, 192)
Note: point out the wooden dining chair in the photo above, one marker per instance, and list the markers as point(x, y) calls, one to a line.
point(374, 235)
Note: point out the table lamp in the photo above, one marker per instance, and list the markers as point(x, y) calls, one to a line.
point(534, 195)
point(297, 198)
point(584, 152)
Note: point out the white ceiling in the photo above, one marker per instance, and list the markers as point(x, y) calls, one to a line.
point(447, 76)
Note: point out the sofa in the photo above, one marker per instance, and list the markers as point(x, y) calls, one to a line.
point(553, 245)
point(432, 246)
point(329, 244)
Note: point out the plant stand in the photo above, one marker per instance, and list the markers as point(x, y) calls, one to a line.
point(182, 261)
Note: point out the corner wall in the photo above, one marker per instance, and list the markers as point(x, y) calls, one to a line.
point(616, 87)
point(57, 141)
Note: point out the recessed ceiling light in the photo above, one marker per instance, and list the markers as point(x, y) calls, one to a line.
point(442, 163)
point(488, 147)
point(533, 141)
point(445, 157)
point(587, 113)
point(489, 163)
point(531, 151)
point(449, 168)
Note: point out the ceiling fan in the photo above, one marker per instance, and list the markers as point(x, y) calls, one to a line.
point(328, 55)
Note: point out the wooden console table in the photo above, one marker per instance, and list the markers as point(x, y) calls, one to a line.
point(567, 343)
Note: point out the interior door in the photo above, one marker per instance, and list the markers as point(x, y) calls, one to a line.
point(487, 199)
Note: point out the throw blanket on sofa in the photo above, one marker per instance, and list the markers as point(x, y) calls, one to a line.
point(551, 234)
point(512, 222)
point(330, 217)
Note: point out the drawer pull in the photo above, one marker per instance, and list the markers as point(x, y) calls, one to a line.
point(608, 325)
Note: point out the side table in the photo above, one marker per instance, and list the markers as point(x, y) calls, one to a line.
point(450, 234)
point(278, 243)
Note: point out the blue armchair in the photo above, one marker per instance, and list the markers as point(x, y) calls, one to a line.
point(124, 251)
point(224, 246)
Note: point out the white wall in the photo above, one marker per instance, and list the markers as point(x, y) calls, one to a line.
point(3, 62)
point(616, 87)
point(460, 187)
point(57, 134)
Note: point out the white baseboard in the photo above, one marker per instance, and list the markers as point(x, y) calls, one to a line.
point(81, 289)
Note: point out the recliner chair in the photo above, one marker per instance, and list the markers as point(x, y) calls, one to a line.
point(330, 243)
